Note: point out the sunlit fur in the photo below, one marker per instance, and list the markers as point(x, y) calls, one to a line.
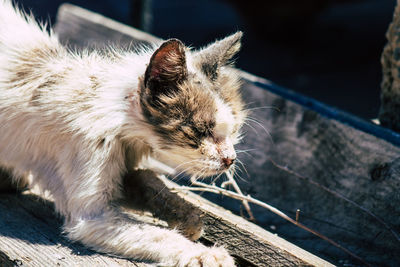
point(78, 121)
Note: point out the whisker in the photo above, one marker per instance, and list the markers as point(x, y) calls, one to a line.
point(198, 174)
point(180, 173)
point(264, 107)
point(185, 169)
point(245, 150)
point(186, 162)
point(251, 126)
point(236, 168)
point(240, 136)
point(260, 125)
point(251, 119)
point(238, 177)
point(214, 179)
point(244, 167)
point(235, 174)
point(249, 103)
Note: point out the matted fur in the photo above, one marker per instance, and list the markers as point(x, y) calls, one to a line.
point(78, 121)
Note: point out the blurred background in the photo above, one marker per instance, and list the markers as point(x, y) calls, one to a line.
point(326, 49)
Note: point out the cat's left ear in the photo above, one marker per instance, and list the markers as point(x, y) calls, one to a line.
point(167, 67)
point(219, 54)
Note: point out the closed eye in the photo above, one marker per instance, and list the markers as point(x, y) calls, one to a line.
point(191, 137)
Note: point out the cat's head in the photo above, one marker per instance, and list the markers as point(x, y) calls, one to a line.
point(192, 103)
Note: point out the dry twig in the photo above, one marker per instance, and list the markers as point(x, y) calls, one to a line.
point(231, 181)
point(203, 187)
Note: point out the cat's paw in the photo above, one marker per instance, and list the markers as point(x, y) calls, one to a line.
point(207, 257)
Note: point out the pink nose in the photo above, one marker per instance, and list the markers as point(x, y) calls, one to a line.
point(227, 162)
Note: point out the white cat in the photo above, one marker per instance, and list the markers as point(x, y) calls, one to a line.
point(79, 121)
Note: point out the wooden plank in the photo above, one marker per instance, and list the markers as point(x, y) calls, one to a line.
point(100, 30)
point(354, 163)
point(249, 243)
point(41, 243)
point(357, 165)
point(30, 235)
point(389, 113)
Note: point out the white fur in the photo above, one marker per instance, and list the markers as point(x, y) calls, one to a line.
point(56, 138)
point(224, 120)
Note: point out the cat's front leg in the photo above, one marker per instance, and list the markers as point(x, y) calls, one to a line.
point(98, 224)
point(114, 233)
point(143, 189)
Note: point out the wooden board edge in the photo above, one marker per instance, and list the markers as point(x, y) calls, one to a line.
point(226, 217)
point(106, 22)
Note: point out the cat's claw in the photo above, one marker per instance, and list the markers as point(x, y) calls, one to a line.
point(207, 257)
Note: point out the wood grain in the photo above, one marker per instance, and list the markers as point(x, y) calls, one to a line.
point(31, 235)
point(359, 166)
point(249, 243)
point(389, 114)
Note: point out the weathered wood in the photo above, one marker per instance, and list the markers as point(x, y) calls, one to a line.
point(389, 114)
point(39, 242)
point(353, 163)
point(99, 31)
point(250, 244)
point(31, 235)
point(357, 165)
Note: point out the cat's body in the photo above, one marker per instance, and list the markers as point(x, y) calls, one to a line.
point(78, 122)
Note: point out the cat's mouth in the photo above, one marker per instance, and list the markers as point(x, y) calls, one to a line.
point(197, 166)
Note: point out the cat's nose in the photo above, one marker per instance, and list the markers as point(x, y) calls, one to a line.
point(228, 161)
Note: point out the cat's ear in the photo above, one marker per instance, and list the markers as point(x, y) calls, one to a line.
point(219, 54)
point(167, 66)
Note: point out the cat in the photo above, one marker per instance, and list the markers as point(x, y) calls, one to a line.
point(79, 121)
